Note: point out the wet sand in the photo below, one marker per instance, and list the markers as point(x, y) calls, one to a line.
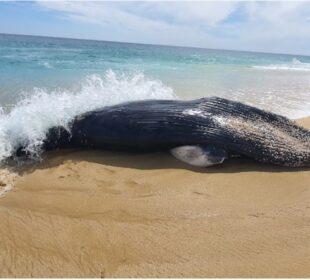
point(108, 214)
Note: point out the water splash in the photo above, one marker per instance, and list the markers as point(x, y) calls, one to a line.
point(27, 124)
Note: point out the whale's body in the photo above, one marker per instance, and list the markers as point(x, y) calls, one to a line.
point(151, 125)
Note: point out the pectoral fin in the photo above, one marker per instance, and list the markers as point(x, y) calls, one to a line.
point(202, 156)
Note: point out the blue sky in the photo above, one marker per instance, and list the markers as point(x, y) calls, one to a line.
point(281, 27)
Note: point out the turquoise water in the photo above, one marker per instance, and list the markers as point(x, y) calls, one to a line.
point(271, 81)
point(47, 81)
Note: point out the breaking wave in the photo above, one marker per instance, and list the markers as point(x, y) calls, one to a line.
point(294, 65)
point(28, 122)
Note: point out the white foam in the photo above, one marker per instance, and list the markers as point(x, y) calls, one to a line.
point(295, 65)
point(28, 122)
point(46, 64)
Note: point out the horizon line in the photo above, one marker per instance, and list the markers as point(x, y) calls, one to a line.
point(150, 44)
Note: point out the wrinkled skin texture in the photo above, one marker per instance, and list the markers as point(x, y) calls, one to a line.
point(151, 125)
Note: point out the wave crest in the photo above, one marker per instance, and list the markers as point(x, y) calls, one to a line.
point(295, 65)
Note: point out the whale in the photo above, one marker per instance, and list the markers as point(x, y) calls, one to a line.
point(200, 132)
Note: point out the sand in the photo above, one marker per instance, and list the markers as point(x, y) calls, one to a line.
point(108, 214)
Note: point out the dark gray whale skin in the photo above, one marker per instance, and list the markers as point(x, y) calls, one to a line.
point(154, 125)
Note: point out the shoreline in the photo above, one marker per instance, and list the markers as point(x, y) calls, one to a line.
point(112, 214)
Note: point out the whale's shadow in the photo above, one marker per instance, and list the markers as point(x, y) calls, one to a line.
point(151, 161)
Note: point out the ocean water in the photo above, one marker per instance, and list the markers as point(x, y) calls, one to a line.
point(47, 81)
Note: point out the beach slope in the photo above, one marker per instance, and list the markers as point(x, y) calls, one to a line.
point(111, 214)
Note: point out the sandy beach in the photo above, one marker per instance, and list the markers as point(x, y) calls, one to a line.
point(109, 214)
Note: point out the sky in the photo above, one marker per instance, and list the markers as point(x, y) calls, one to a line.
point(279, 27)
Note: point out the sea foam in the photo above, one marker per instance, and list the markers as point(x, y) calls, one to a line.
point(28, 122)
point(294, 65)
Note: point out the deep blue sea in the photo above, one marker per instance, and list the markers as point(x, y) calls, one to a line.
point(47, 81)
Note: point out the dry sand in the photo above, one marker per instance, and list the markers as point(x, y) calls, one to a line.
point(108, 214)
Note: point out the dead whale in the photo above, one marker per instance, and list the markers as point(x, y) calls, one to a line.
point(201, 132)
